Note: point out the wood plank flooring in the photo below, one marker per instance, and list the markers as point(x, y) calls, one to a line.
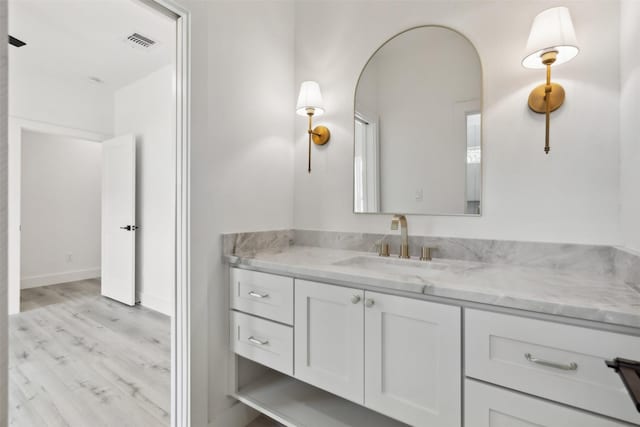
point(79, 359)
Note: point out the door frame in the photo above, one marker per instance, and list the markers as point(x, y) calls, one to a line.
point(17, 126)
point(180, 321)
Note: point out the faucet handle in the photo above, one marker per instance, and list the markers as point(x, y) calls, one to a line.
point(404, 251)
point(426, 253)
point(383, 249)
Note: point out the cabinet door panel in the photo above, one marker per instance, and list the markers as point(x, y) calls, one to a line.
point(329, 329)
point(413, 360)
point(491, 406)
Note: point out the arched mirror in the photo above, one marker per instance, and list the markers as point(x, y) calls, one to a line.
point(417, 126)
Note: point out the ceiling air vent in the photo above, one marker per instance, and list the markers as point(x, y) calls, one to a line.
point(140, 41)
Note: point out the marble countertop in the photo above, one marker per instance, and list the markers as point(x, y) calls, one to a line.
point(575, 294)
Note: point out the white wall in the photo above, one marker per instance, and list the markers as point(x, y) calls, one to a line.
point(629, 114)
point(243, 111)
point(61, 180)
point(146, 108)
point(527, 195)
point(55, 104)
point(17, 128)
point(68, 102)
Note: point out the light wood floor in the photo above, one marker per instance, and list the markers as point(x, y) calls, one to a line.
point(79, 359)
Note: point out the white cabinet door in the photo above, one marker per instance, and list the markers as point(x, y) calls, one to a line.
point(329, 333)
point(492, 406)
point(413, 360)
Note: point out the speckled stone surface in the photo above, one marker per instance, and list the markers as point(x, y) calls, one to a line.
point(552, 282)
point(592, 258)
point(627, 266)
point(251, 243)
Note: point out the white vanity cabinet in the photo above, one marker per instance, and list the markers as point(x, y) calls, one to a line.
point(412, 360)
point(261, 318)
point(559, 362)
point(346, 357)
point(329, 331)
point(265, 295)
point(491, 406)
point(397, 356)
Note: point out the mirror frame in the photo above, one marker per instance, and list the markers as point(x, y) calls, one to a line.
point(482, 132)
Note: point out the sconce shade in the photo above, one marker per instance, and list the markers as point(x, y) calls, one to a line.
point(552, 30)
point(309, 97)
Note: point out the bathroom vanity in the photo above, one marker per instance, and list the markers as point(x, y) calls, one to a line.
point(346, 336)
point(324, 332)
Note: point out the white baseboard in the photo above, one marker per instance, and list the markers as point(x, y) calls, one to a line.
point(239, 415)
point(52, 279)
point(154, 303)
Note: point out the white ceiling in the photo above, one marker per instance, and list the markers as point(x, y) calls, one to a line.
point(78, 39)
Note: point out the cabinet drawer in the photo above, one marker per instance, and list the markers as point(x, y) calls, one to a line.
point(262, 341)
point(555, 361)
point(262, 294)
point(491, 406)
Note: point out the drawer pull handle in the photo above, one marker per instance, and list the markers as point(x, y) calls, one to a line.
point(570, 367)
point(257, 295)
point(257, 341)
point(369, 302)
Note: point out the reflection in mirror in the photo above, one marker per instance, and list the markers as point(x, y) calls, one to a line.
point(417, 126)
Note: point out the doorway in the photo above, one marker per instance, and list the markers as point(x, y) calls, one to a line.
point(54, 123)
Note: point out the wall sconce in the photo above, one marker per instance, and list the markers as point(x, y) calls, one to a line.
point(310, 104)
point(552, 41)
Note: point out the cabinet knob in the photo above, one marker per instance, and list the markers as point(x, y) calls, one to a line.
point(369, 302)
point(355, 299)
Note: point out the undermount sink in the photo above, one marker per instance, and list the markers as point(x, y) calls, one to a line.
point(393, 265)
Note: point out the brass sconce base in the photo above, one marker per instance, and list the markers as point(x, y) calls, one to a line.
point(538, 102)
point(320, 135)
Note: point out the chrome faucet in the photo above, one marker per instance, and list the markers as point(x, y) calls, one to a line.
point(404, 244)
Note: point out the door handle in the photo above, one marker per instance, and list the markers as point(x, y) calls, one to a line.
point(129, 227)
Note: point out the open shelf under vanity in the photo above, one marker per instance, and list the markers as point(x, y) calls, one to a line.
point(296, 404)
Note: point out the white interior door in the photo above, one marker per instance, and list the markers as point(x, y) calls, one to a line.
point(118, 219)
